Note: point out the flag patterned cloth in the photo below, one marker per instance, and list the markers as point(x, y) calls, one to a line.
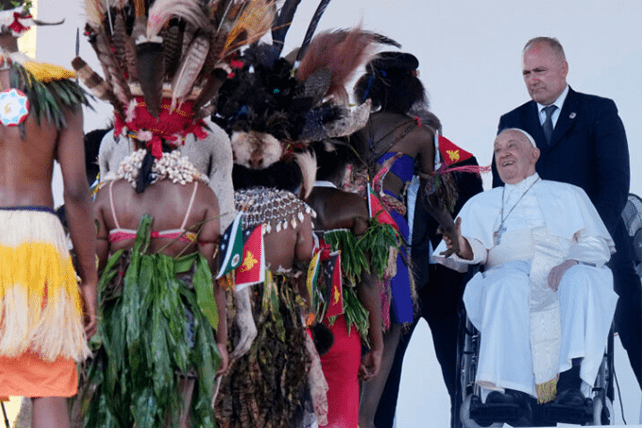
point(252, 268)
point(231, 247)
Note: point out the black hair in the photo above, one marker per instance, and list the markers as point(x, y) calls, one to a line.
point(282, 175)
point(391, 82)
point(333, 157)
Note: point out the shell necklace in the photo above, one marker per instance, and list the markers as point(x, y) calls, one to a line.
point(171, 166)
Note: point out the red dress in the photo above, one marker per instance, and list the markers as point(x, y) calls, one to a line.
point(341, 369)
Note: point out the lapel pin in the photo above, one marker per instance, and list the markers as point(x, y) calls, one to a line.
point(572, 115)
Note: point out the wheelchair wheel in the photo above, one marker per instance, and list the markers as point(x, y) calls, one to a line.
point(603, 413)
point(464, 416)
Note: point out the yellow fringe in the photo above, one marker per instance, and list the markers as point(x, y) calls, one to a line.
point(40, 303)
point(45, 72)
point(546, 391)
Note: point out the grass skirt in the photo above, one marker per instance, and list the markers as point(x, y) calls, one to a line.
point(155, 325)
point(265, 387)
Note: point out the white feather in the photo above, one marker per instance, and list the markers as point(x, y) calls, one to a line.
point(162, 10)
point(308, 163)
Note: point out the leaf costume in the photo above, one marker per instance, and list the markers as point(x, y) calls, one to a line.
point(156, 316)
point(359, 254)
point(265, 387)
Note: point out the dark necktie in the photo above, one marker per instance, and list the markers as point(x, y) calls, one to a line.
point(547, 126)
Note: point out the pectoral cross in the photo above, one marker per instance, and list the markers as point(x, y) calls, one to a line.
point(498, 234)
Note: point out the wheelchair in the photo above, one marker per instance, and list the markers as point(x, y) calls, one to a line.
point(471, 412)
point(632, 215)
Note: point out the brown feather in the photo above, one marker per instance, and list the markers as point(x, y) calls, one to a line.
point(189, 68)
point(139, 8)
point(308, 163)
point(217, 42)
point(119, 42)
point(204, 112)
point(342, 52)
point(172, 44)
point(255, 20)
point(95, 13)
point(210, 89)
point(151, 67)
point(92, 80)
point(130, 57)
point(96, 84)
point(113, 72)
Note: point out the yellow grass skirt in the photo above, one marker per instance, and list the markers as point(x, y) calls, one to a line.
point(40, 303)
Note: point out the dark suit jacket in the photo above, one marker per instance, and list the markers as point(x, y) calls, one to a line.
point(588, 148)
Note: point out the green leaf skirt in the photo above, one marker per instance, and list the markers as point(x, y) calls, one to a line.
point(155, 326)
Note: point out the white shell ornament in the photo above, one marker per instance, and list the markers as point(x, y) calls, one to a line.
point(14, 107)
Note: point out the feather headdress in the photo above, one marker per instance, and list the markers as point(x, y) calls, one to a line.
point(168, 48)
point(273, 110)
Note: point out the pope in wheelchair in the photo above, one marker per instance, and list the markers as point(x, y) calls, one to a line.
point(544, 302)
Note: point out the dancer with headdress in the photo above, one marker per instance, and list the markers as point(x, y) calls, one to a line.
point(43, 308)
point(159, 61)
point(396, 146)
point(272, 108)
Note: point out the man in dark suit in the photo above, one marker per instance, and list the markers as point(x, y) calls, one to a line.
point(583, 142)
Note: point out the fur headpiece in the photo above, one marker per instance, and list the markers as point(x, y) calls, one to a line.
point(273, 106)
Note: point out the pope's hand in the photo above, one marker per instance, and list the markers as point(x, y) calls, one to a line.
point(556, 274)
point(456, 243)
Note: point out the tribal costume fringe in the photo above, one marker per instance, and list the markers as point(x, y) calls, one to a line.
point(265, 388)
point(156, 315)
point(48, 87)
point(40, 304)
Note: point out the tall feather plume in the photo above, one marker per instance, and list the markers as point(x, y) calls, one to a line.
point(113, 72)
point(384, 40)
point(119, 43)
point(92, 80)
point(172, 45)
point(312, 27)
point(95, 13)
point(339, 51)
point(96, 84)
point(162, 10)
point(130, 57)
point(217, 43)
point(189, 69)
point(151, 69)
point(255, 20)
point(282, 24)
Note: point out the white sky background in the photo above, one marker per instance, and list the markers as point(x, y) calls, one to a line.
point(469, 53)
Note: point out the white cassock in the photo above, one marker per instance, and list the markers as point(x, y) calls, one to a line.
point(212, 156)
point(529, 332)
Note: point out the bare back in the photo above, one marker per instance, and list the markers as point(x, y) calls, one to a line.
point(168, 204)
point(390, 132)
point(26, 165)
point(337, 209)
